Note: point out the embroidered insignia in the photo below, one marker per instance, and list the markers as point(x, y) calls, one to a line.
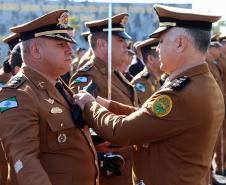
point(8, 104)
point(140, 87)
point(124, 21)
point(162, 105)
point(81, 79)
point(18, 166)
point(61, 138)
point(179, 83)
point(51, 101)
point(86, 66)
point(56, 110)
point(63, 20)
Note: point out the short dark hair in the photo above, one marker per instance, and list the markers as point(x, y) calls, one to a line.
point(201, 38)
point(145, 51)
point(14, 59)
point(95, 36)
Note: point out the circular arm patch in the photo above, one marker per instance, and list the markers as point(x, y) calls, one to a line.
point(162, 105)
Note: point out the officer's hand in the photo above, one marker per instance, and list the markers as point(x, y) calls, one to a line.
point(102, 101)
point(83, 98)
point(111, 164)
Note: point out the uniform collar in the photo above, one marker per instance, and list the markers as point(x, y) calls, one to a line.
point(100, 65)
point(37, 78)
point(190, 70)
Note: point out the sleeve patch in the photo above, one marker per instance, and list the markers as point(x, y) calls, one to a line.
point(140, 87)
point(162, 105)
point(7, 104)
point(81, 79)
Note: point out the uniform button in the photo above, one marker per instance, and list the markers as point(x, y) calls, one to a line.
point(97, 181)
point(96, 162)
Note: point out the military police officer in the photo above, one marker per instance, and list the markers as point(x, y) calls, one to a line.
point(180, 122)
point(43, 141)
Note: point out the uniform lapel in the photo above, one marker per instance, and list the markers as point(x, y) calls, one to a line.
point(123, 84)
point(44, 85)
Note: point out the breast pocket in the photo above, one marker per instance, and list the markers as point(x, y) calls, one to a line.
point(62, 131)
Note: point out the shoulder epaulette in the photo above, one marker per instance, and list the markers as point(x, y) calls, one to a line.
point(15, 82)
point(87, 66)
point(179, 83)
point(146, 74)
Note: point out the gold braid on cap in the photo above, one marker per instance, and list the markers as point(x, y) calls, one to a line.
point(50, 32)
point(60, 36)
point(115, 29)
point(165, 24)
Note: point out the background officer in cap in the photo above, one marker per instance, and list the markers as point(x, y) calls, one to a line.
point(96, 70)
point(11, 66)
point(137, 64)
point(212, 58)
point(41, 138)
point(181, 121)
point(147, 81)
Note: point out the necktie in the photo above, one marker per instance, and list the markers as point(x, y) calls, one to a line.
point(76, 112)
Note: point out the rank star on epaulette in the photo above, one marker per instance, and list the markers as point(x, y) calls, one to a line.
point(162, 105)
point(15, 82)
point(179, 83)
point(8, 103)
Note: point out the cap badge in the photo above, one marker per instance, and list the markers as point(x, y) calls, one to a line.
point(56, 110)
point(124, 21)
point(63, 20)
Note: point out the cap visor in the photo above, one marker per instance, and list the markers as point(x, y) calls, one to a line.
point(122, 34)
point(158, 32)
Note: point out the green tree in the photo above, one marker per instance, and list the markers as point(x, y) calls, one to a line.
point(74, 22)
point(218, 26)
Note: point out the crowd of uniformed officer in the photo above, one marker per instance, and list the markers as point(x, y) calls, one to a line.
point(164, 124)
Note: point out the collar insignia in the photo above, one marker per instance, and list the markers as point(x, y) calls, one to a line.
point(51, 101)
point(124, 21)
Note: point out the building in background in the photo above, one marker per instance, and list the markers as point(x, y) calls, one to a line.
point(142, 19)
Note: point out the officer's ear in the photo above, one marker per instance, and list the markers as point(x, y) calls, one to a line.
point(35, 49)
point(101, 43)
point(181, 43)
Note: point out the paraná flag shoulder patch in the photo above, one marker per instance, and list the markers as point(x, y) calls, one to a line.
point(8, 103)
point(162, 105)
point(81, 79)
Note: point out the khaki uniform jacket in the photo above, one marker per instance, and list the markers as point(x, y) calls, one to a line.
point(222, 66)
point(217, 71)
point(39, 136)
point(145, 84)
point(181, 133)
point(4, 77)
point(122, 91)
